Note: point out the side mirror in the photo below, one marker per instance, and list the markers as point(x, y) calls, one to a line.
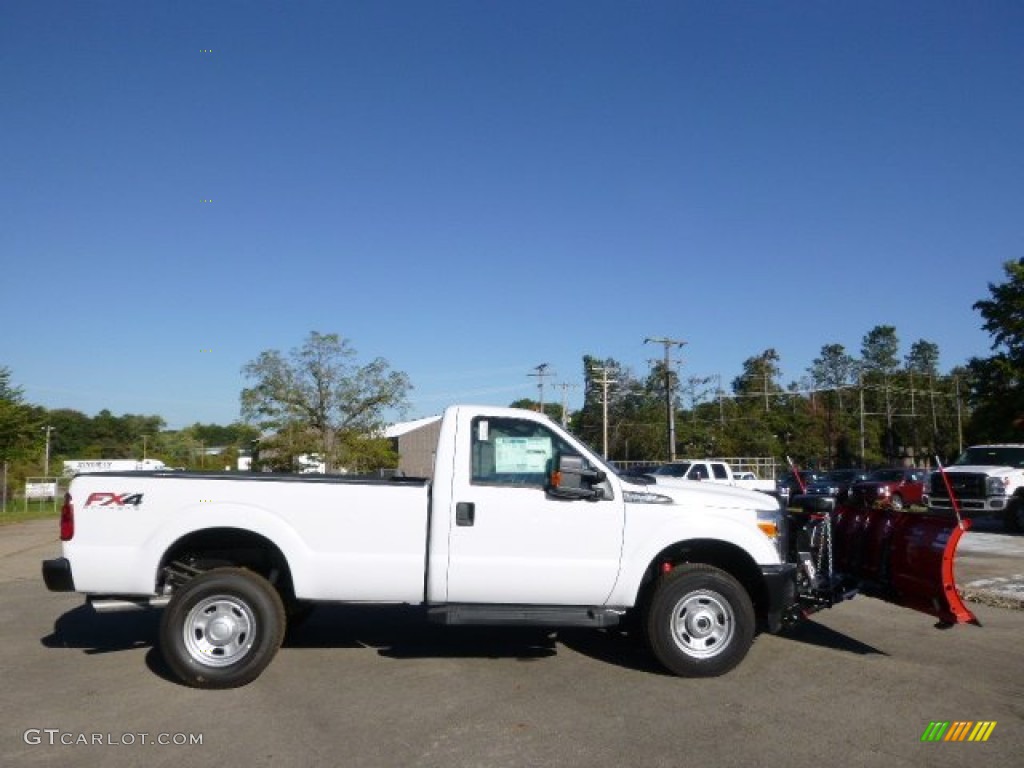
point(572, 480)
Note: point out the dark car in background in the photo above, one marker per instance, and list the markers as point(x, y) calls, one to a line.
point(890, 488)
point(836, 483)
point(788, 486)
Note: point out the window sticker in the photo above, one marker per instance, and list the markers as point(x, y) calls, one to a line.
point(522, 454)
point(483, 430)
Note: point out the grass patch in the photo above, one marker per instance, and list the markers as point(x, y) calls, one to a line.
point(18, 511)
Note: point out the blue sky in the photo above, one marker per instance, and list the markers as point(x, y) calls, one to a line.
point(470, 189)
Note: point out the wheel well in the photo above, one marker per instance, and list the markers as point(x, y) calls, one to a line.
point(719, 554)
point(213, 547)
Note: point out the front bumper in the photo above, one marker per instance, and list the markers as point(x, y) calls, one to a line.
point(992, 505)
point(57, 575)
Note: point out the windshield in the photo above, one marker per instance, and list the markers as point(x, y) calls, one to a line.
point(886, 475)
point(992, 456)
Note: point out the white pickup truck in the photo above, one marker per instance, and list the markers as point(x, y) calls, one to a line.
point(984, 480)
point(520, 524)
point(709, 471)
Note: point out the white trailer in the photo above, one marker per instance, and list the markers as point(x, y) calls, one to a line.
point(83, 466)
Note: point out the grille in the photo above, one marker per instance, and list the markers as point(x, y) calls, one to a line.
point(965, 485)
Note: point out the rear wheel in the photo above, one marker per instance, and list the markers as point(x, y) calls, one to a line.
point(700, 622)
point(222, 628)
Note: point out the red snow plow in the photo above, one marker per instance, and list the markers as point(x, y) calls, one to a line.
point(904, 558)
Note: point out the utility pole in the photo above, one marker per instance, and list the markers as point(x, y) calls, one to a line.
point(669, 405)
point(959, 422)
point(565, 387)
point(860, 384)
point(46, 461)
point(721, 401)
point(605, 382)
point(541, 374)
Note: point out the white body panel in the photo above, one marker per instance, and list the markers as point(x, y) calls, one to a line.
point(347, 540)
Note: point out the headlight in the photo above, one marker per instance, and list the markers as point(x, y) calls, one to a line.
point(995, 486)
point(644, 497)
point(772, 524)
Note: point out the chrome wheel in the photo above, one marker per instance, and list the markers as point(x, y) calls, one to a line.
point(219, 631)
point(703, 624)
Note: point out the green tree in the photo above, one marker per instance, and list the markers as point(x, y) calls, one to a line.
point(833, 372)
point(552, 410)
point(72, 433)
point(759, 379)
point(636, 424)
point(879, 354)
point(880, 350)
point(997, 382)
point(19, 422)
point(760, 424)
point(923, 358)
point(917, 401)
point(324, 401)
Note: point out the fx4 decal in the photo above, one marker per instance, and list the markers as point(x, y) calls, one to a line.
point(105, 499)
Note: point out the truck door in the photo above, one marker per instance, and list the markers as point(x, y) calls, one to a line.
point(512, 543)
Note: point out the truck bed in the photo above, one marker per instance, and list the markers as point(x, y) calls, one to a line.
point(350, 538)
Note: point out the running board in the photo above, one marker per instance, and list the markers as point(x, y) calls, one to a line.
point(525, 615)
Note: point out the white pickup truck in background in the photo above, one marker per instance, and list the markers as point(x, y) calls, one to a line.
point(709, 471)
point(985, 480)
point(520, 524)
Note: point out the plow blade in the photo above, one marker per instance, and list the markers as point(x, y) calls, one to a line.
point(904, 558)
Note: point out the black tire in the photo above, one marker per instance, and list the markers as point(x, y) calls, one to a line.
point(1013, 516)
point(222, 628)
point(701, 621)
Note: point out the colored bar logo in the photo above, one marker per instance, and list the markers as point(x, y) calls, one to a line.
point(959, 730)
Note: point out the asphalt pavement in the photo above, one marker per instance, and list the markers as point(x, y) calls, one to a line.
point(858, 685)
point(989, 567)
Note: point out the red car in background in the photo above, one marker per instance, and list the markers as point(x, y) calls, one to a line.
point(891, 488)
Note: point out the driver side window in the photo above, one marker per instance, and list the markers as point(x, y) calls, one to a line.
point(513, 452)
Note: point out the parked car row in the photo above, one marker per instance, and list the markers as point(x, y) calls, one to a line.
point(894, 488)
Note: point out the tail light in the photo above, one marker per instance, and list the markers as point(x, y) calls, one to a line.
point(67, 519)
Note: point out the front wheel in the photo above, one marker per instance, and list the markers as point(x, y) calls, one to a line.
point(222, 628)
point(700, 622)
